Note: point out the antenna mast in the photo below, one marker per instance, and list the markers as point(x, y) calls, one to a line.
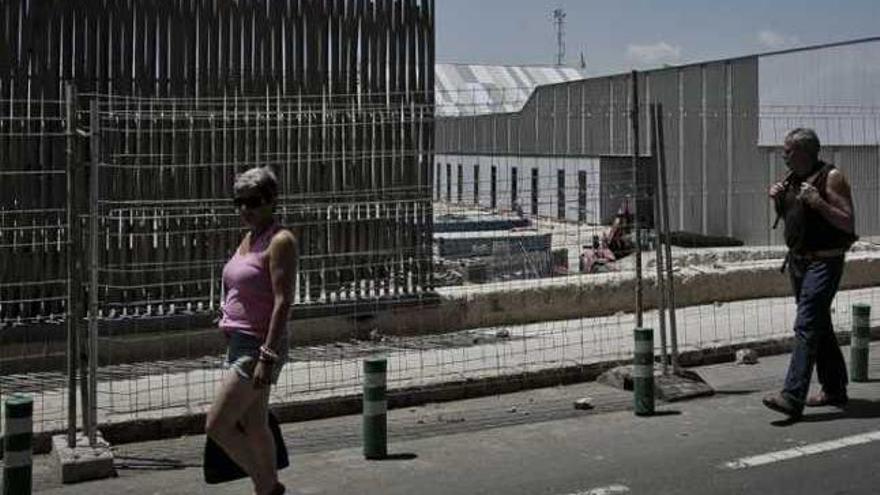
point(559, 20)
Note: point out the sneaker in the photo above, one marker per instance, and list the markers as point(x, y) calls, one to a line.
point(779, 403)
point(820, 399)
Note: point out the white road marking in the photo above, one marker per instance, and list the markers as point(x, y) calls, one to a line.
point(804, 450)
point(605, 490)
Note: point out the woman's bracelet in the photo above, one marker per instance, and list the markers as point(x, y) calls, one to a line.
point(267, 354)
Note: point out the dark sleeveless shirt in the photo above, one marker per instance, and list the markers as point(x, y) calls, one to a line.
point(806, 230)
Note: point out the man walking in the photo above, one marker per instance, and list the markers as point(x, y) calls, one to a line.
point(815, 203)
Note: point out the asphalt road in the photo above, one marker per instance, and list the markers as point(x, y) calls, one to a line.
point(545, 447)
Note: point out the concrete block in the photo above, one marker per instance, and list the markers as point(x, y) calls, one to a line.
point(83, 462)
point(619, 377)
point(685, 385)
point(746, 356)
point(669, 388)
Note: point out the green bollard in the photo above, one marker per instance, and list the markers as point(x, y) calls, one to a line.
point(643, 372)
point(17, 445)
point(375, 409)
point(861, 337)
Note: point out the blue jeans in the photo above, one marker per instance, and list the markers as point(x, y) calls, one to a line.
point(815, 283)
point(243, 351)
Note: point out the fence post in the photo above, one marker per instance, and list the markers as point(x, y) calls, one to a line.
point(636, 196)
point(663, 192)
point(375, 409)
point(861, 337)
point(74, 263)
point(94, 253)
point(643, 372)
point(17, 445)
point(658, 243)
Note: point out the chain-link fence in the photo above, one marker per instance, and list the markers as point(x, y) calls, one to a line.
point(486, 265)
point(33, 222)
point(39, 236)
point(352, 173)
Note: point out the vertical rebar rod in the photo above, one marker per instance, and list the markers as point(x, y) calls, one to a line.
point(94, 262)
point(74, 292)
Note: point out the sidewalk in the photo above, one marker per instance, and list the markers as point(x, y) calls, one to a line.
point(327, 458)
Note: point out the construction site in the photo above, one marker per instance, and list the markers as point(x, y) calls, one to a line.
point(484, 228)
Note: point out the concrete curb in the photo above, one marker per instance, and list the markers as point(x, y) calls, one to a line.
point(156, 429)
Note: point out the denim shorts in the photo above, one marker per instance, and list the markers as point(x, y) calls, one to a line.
point(243, 351)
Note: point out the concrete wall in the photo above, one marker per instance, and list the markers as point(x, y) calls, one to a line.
point(468, 307)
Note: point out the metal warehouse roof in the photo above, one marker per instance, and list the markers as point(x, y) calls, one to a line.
point(463, 89)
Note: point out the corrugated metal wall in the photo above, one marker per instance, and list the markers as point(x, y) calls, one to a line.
point(836, 91)
point(723, 130)
point(710, 126)
point(750, 214)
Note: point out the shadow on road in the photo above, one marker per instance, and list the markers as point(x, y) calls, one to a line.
point(663, 413)
point(856, 409)
point(399, 457)
point(737, 392)
point(151, 463)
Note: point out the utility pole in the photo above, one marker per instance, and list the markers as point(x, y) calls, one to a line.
point(559, 20)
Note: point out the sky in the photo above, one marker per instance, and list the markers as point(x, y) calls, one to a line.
point(620, 35)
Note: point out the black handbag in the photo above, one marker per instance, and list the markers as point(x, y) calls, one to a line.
point(219, 468)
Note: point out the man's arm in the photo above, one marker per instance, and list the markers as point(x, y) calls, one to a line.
point(838, 208)
point(776, 194)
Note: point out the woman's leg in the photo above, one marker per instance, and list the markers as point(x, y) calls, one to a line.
point(228, 410)
point(261, 442)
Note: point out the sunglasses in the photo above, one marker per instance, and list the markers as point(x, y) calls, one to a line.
point(248, 201)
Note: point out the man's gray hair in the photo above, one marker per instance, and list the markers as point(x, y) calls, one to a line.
point(261, 179)
point(805, 139)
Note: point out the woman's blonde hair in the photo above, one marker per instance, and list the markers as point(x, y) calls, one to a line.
point(261, 179)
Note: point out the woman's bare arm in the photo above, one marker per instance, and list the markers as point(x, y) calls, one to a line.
point(283, 254)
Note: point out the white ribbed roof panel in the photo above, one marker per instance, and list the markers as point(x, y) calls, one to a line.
point(480, 89)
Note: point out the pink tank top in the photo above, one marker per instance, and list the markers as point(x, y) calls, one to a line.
point(249, 300)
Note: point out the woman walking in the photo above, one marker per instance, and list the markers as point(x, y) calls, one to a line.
point(258, 282)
